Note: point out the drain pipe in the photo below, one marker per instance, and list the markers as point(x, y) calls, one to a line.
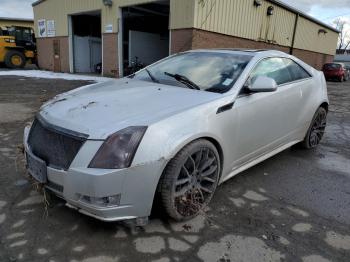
point(294, 33)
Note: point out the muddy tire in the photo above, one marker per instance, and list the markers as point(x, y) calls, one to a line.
point(15, 59)
point(190, 180)
point(316, 130)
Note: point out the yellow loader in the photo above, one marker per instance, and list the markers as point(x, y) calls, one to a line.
point(17, 46)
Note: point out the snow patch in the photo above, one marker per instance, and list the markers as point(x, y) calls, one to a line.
point(52, 75)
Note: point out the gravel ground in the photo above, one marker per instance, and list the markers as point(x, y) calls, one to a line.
point(292, 207)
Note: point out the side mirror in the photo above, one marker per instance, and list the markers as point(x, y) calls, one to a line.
point(263, 84)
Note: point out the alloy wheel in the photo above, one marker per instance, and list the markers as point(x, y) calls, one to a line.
point(318, 128)
point(196, 182)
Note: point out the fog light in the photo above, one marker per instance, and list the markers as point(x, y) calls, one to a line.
point(108, 201)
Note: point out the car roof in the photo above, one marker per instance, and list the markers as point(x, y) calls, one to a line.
point(251, 52)
point(335, 63)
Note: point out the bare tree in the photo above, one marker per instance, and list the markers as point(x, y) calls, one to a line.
point(344, 39)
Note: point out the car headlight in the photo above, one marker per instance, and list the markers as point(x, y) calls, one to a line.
point(119, 149)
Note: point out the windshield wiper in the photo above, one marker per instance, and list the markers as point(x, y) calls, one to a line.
point(184, 80)
point(155, 80)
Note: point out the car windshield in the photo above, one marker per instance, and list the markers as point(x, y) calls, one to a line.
point(208, 71)
point(332, 66)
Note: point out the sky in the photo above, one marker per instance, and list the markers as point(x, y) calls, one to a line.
point(324, 10)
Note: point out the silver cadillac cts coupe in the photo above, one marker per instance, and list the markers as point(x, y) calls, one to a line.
point(174, 131)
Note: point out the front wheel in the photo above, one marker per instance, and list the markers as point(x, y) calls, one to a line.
point(15, 59)
point(190, 180)
point(316, 131)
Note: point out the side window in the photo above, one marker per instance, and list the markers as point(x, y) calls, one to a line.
point(296, 71)
point(274, 68)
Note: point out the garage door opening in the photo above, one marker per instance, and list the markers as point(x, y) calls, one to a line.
point(145, 35)
point(87, 42)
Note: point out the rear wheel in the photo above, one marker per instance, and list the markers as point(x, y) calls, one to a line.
point(316, 131)
point(15, 59)
point(190, 180)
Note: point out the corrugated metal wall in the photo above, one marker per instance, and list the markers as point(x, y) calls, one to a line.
point(59, 11)
point(182, 12)
point(308, 37)
point(239, 18)
point(242, 19)
point(17, 23)
point(231, 17)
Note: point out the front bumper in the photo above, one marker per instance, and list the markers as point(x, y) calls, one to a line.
point(135, 185)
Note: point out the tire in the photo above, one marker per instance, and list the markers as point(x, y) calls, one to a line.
point(15, 59)
point(190, 180)
point(316, 130)
point(341, 79)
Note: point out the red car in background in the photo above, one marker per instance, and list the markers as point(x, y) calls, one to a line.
point(336, 71)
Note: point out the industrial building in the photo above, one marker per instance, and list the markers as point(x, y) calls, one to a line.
point(8, 21)
point(343, 58)
point(77, 35)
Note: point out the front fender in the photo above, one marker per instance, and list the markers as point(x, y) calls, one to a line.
point(165, 139)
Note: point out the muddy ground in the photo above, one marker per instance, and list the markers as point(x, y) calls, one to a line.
point(292, 207)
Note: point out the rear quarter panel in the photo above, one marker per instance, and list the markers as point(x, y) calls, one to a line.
point(314, 94)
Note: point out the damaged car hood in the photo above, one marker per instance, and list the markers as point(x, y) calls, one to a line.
point(100, 110)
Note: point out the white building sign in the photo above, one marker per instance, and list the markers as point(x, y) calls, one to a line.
point(51, 29)
point(109, 28)
point(42, 28)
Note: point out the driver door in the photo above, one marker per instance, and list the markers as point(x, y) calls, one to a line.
point(266, 120)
